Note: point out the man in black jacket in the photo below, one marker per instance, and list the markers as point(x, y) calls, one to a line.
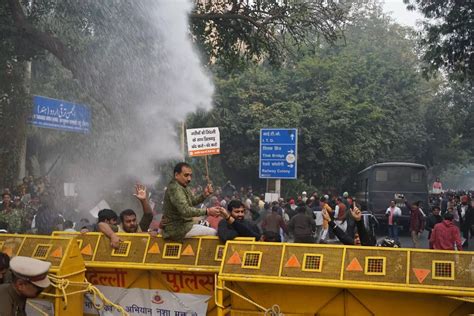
point(466, 219)
point(234, 225)
point(362, 237)
point(302, 226)
point(433, 219)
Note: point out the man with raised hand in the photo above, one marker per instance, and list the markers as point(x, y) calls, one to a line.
point(128, 219)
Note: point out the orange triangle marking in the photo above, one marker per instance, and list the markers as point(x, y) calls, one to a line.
point(292, 262)
point(354, 265)
point(58, 253)
point(234, 259)
point(7, 250)
point(87, 250)
point(421, 274)
point(188, 251)
point(154, 248)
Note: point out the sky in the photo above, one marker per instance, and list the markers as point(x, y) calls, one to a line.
point(400, 13)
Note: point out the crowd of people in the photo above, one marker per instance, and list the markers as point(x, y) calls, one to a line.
point(28, 207)
point(228, 213)
point(452, 217)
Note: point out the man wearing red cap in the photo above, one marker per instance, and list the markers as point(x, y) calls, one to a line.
point(30, 278)
point(466, 218)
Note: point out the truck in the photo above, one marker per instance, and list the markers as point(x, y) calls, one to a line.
point(381, 183)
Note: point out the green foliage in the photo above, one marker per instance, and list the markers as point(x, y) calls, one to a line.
point(354, 104)
point(447, 38)
point(234, 32)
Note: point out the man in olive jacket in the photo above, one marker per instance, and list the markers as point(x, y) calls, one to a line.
point(179, 207)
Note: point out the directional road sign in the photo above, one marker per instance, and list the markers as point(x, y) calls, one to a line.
point(278, 152)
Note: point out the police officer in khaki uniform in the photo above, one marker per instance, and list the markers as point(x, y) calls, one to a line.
point(30, 278)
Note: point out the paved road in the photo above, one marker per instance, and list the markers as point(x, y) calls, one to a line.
point(406, 241)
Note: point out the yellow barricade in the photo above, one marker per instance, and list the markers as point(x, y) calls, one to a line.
point(67, 266)
point(303, 279)
point(152, 263)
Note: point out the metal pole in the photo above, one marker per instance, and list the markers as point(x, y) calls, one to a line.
point(182, 139)
point(278, 186)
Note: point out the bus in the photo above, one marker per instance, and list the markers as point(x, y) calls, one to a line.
point(380, 183)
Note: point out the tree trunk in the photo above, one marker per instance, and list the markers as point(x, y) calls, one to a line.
point(14, 110)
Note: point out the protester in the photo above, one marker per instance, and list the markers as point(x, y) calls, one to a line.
point(325, 207)
point(361, 237)
point(455, 216)
point(437, 187)
point(179, 207)
point(433, 219)
point(272, 224)
point(318, 215)
point(393, 213)
point(128, 217)
point(417, 222)
point(340, 214)
point(234, 225)
point(47, 220)
point(302, 226)
point(6, 202)
point(466, 218)
point(445, 235)
point(107, 224)
point(69, 226)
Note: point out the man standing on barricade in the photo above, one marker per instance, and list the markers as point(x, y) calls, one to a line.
point(179, 210)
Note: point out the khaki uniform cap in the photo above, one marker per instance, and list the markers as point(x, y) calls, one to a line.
point(32, 270)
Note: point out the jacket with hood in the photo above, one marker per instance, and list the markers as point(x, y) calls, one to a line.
point(445, 235)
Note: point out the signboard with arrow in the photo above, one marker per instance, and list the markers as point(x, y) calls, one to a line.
point(278, 153)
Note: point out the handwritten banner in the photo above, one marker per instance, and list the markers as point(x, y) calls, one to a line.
point(203, 141)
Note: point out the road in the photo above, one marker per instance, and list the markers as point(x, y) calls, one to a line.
point(406, 242)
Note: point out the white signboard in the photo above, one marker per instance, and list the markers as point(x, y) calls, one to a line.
point(69, 189)
point(100, 206)
point(271, 197)
point(203, 141)
point(139, 302)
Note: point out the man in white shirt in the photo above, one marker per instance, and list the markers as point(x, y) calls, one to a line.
point(392, 213)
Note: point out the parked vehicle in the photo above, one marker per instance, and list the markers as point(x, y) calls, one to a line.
point(380, 183)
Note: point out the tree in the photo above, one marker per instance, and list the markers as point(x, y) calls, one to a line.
point(448, 36)
point(234, 27)
point(353, 104)
point(117, 58)
point(236, 30)
point(450, 126)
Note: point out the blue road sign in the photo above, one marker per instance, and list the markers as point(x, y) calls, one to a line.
point(59, 114)
point(278, 152)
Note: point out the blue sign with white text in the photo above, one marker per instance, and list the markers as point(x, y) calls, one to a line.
point(278, 147)
point(59, 114)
